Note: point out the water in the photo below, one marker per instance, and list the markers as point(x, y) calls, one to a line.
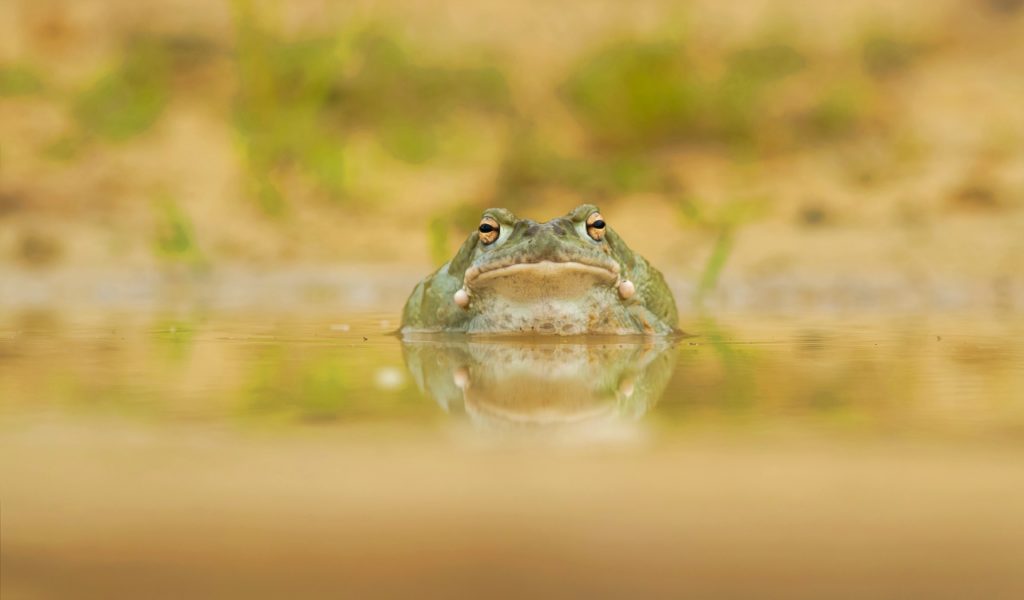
point(149, 454)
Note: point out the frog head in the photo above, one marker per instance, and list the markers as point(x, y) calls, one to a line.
point(570, 275)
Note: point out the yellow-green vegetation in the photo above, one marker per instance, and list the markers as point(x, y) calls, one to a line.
point(885, 52)
point(323, 383)
point(288, 132)
point(721, 223)
point(643, 95)
point(130, 95)
point(175, 236)
point(638, 99)
point(531, 166)
point(301, 98)
point(314, 389)
point(19, 80)
point(636, 94)
point(128, 99)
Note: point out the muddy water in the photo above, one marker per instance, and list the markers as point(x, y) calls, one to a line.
point(187, 454)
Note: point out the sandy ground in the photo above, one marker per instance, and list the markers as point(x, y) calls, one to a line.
point(204, 513)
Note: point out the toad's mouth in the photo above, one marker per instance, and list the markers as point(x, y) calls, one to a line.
point(544, 279)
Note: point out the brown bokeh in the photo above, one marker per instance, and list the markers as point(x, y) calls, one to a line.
point(781, 147)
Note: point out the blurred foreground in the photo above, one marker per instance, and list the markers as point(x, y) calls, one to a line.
point(267, 454)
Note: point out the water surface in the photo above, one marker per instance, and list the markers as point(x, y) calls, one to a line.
point(176, 453)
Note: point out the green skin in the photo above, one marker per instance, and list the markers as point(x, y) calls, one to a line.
point(548, 278)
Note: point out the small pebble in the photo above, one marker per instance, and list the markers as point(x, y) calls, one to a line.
point(389, 378)
point(460, 377)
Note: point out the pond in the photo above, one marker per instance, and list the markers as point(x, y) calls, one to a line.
point(179, 453)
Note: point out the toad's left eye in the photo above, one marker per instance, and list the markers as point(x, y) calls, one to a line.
point(489, 230)
point(596, 226)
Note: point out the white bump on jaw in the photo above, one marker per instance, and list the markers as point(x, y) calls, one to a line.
point(626, 289)
point(462, 298)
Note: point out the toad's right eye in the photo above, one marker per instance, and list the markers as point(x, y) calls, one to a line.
point(595, 227)
point(489, 230)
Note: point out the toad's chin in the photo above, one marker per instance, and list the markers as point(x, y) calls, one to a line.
point(539, 281)
point(547, 298)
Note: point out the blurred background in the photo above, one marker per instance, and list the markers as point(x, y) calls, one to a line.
point(787, 153)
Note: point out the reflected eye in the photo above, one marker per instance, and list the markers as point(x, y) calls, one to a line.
point(595, 226)
point(489, 230)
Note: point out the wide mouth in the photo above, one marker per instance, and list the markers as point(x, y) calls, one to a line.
point(542, 272)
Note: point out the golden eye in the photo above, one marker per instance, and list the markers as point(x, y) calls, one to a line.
point(595, 226)
point(489, 230)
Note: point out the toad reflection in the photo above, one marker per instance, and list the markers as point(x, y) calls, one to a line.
point(541, 384)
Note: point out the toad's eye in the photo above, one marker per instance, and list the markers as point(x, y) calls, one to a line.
point(595, 226)
point(489, 230)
